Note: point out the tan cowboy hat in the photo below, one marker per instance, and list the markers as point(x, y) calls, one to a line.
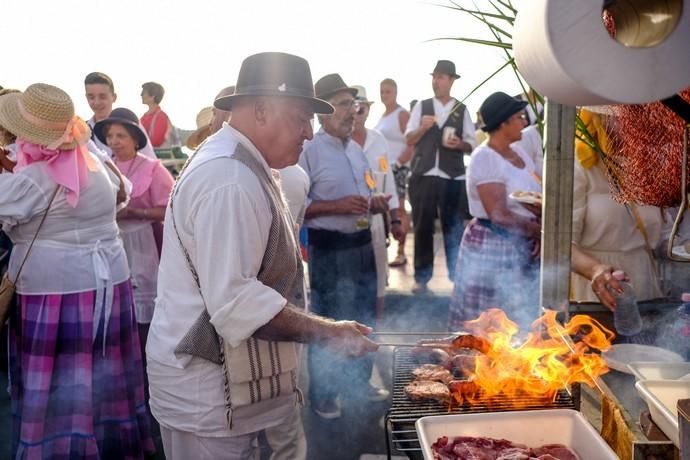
point(203, 128)
point(43, 115)
point(361, 95)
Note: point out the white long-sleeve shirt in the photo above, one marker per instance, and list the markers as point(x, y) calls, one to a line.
point(224, 219)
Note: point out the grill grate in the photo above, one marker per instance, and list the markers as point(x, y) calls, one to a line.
point(403, 413)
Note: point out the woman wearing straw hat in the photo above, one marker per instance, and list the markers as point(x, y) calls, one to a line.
point(76, 374)
point(151, 185)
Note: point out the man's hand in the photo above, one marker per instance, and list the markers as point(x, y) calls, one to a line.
point(379, 203)
point(427, 122)
point(349, 339)
point(353, 204)
point(453, 143)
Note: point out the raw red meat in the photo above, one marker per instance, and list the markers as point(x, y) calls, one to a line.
point(474, 448)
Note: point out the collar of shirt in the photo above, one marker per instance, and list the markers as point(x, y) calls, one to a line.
point(228, 130)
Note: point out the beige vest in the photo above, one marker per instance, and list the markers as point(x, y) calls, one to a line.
point(257, 370)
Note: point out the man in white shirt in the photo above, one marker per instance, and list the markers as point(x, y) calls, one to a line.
point(100, 94)
point(442, 132)
point(230, 280)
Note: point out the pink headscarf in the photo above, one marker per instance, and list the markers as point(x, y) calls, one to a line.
point(68, 168)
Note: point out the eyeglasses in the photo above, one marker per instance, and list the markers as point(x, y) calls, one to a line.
point(346, 104)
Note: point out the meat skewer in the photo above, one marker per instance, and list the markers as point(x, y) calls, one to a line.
point(453, 342)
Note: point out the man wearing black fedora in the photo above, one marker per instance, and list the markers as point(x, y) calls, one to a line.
point(442, 132)
point(222, 348)
point(342, 269)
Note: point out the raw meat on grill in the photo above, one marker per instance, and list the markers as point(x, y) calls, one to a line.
point(427, 389)
point(457, 342)
point(434, 372)
point(480, 448)
point(424, 354)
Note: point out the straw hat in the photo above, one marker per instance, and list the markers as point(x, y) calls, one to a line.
point(203, 128)
point(43, 115)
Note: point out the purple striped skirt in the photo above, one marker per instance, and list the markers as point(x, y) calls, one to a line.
point(70, 398)
point(494, 269)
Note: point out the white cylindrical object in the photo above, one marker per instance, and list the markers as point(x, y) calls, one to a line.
point(563, 50)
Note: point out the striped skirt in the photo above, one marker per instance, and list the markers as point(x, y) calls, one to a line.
point(71, 397)
point(494, 270)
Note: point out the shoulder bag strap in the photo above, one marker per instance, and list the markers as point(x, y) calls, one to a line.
point(43, 219)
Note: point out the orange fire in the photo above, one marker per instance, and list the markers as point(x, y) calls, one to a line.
point(547, 361)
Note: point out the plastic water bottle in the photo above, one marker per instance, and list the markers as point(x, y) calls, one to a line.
point(673, 332)
point(626, 316)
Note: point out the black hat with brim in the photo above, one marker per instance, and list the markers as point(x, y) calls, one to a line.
point(446, 67)
point(275, 74)
point(497, 108)
point(332, 84)
point(125, 117)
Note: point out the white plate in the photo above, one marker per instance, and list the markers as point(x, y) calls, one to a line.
point(527, 199)
point(662, 399)
point(660, 371)
point(533, 428)
point(619, 356)
point(679, 251)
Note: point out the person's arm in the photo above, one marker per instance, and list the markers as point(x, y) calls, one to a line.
point(418, 125)
point(291, 324)
point(403, 119)
point(353, 204)
point(600, 274)
point(156, 213)
point(5, 162)
point(493, 198)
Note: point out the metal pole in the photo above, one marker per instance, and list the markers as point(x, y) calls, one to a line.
point(557, 214)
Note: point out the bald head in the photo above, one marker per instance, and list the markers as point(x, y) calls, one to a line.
point(220, 116)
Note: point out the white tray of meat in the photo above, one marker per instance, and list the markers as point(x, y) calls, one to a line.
point(532, 434)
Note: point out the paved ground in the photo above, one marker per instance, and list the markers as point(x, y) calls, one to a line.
point(359, 433)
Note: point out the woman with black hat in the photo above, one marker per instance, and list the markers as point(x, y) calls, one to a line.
point(151, 185)
point(498, 259)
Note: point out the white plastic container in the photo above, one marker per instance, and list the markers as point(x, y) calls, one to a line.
point(533, 428)
point(647, 370)
point(662, 398)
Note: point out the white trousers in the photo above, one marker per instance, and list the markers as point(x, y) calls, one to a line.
point(286, 440)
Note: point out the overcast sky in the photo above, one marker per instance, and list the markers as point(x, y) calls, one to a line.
point(195, 48)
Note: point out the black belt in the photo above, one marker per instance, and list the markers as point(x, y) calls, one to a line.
point(327, 239)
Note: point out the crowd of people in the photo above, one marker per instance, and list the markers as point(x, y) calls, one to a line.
point(152, 305)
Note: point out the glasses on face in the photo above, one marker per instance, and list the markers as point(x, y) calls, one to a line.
point(346, 104)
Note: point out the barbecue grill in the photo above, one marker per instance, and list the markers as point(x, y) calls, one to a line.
point(403, 413)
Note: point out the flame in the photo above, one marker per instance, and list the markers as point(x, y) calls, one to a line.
point(541, 365)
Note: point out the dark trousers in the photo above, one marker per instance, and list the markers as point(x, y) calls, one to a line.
point(342, 275)
point(433, 197)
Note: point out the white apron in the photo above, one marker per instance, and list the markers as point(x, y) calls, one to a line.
point(142, 256)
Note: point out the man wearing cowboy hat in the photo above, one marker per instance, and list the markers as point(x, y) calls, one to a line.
point(341, 258)
point(442, 132)
point(222, 348)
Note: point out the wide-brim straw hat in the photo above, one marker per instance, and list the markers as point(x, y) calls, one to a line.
point(275, 74)
point(41, 115)
point(203, 128)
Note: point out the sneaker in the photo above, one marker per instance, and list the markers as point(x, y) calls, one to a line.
point(376, 394)
point(399, 261)
point(326, 408)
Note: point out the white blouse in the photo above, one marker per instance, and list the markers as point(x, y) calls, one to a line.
point(78, 248)
point(488, 166)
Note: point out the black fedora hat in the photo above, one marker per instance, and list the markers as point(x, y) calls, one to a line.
point(497, 108)
point(274, 74)
point(124, 117)
point(447, 67)
point(330, 84)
